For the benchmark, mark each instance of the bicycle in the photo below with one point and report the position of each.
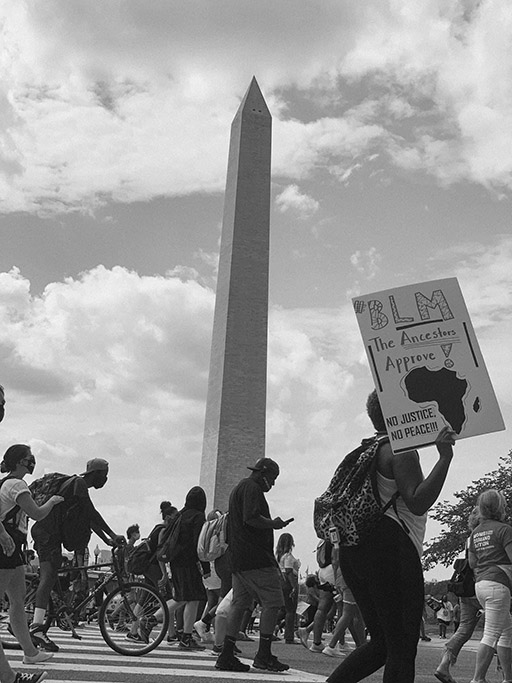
(126, 617)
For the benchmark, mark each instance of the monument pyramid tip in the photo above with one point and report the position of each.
(253, 99)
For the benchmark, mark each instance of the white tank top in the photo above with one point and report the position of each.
(415, 523)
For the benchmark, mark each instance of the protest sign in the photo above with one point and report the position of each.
(426, 363)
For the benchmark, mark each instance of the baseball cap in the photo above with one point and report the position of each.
(96, 464)
(265, 465)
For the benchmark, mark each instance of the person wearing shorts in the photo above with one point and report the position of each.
(256, 575)
(351, 618)
(48, 545)
(16, 504)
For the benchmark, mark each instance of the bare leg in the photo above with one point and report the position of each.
(484, 656)
(505, 657)
(17, 617)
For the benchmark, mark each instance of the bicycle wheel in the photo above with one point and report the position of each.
(133, 619)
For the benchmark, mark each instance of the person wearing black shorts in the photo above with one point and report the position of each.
(16, 504)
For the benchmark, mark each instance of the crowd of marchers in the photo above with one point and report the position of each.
(370, 585)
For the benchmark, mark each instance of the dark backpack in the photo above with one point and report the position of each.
(324, 553)
(351, 504)
(49, 485)
(144, 554)
(462, 582)
(139, 559)
(169, 546)
(71, 516)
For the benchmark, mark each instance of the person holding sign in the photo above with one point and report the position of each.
(384, 571)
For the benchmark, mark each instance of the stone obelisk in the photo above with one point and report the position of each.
(234, 433)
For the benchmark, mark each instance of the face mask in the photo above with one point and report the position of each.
(267, 484)
(30, 465)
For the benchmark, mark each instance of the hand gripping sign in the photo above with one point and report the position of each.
(426, 363)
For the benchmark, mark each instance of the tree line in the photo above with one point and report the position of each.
(450, 543)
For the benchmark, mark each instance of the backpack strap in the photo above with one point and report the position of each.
(392, 501)
(11, 515)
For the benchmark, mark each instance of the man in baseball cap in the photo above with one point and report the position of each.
(95, 465)
(266, 465)
(48, 541)
(255, 571)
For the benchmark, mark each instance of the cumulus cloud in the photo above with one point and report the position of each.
(292, 199)
(136, 100)
(115, 364)
(72, 332)
(366, 263)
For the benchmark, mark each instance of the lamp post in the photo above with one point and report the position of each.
(96, 554)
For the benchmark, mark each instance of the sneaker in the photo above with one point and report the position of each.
(344, 648)
(316, 648)
(270, 664)
(190, 643)
(216, 650)
(41, 640)
(202, 632)
(146, 625)
(30, 678)
(303, 635)
(135, 637)
(231, 664)
(331, 651)
(41, 656)
(172, 640)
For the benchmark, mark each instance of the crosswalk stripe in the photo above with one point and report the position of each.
(290, 676)
(91, 655)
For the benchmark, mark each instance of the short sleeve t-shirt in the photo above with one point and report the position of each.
(288, 561)
(251, 548)
(11, 489)
(488, 542)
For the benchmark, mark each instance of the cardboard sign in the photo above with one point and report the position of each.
(426, 363)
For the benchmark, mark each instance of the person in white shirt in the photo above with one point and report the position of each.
(289, 566)
(16, 504)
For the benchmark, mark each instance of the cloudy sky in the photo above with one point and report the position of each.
(392, 131)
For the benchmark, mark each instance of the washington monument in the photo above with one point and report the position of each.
(234, 433)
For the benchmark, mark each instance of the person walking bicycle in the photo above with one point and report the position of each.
(48, 544)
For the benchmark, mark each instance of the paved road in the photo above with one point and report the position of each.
(90, 660)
